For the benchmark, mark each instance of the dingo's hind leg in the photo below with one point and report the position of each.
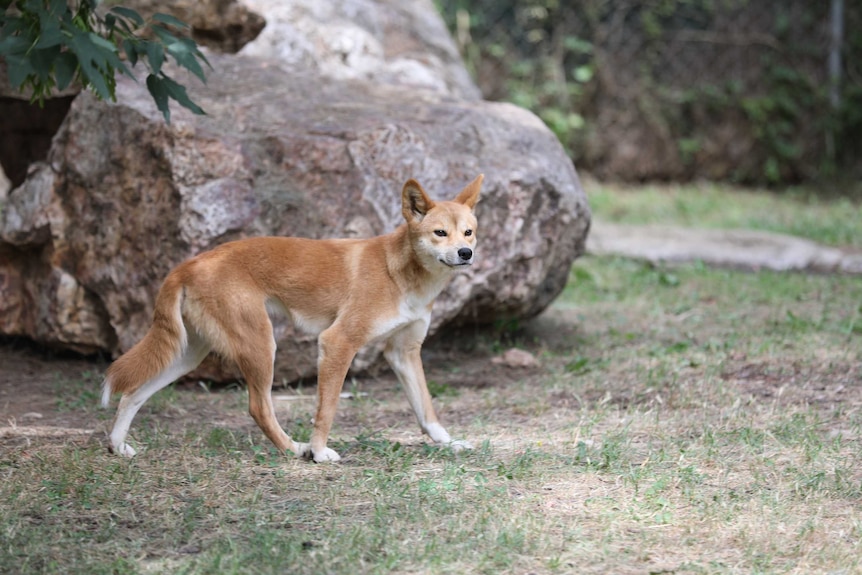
(253, 348)
(194, 353)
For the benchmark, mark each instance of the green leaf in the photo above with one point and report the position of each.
(126, 29)
(131, 51)
(64, 69)
(164, 35)
(184, 53)
(155, 56)
(159, 92)
(43, 61)
(18, 69)
(170, 20)
(58, 7)
(50, 35)
(178, 93)
(106, 45)
(14, 45)
(93, 65)
(200, 56)
(128, 14)
(110, 57)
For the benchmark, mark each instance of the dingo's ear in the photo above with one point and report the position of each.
(470, 195)
(415, 203)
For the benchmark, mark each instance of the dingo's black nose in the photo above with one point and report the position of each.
(465, 253)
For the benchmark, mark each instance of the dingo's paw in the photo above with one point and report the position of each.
(326, 455)
(305, 451)
(459, 445)
(123, 449)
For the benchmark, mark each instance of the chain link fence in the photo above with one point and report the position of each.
(740, 90)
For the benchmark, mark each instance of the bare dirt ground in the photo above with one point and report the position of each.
(29, 383)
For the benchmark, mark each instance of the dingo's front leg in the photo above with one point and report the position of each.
(336, 351)
(403, 354)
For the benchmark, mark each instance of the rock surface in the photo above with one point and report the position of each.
(398, 43)
(5, 185)
(284, 150)
(746, 249)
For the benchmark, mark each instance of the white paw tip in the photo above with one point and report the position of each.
(459, 445)
(124, 449)
(437, 434)
(326, 455)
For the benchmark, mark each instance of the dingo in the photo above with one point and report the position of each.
(350, 292)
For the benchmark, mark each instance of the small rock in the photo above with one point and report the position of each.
(516, 358)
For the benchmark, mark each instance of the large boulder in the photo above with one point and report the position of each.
(404, 43)
(283, 150)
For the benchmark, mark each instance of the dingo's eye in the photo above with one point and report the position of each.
(440, 233)
(468, 233)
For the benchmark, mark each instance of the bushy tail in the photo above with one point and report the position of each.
(164, 342)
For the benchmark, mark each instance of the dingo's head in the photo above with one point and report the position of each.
(442, 233)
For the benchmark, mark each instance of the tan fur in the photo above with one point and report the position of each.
(160, 345)
(351, 292)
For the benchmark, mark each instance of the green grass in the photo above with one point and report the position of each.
(684, 420)
(832, 221)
